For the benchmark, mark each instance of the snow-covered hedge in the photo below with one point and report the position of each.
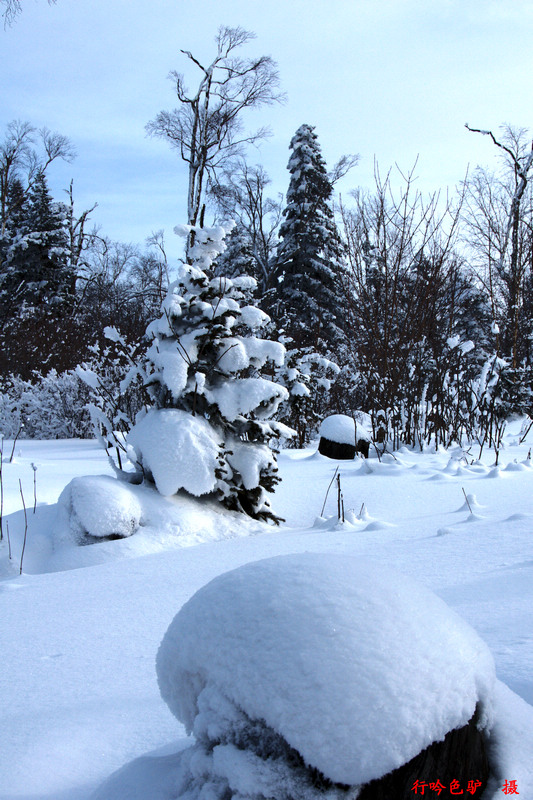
(52, 406)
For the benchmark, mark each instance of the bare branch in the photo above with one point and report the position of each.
(342, 167)
(206, 128)
(56, 145)
(12, 9)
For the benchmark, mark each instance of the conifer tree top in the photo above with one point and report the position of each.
(309, 258)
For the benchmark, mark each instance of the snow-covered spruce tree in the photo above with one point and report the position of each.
(209, 429)
(36, 282)
(35, 262)
(306, 300)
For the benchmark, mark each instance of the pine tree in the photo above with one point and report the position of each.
(15, 228)
(48, 277)
(37, 284)
(209, 427)
(306, 298)
(35, 264)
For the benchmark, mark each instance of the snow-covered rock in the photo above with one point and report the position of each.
(355, 666)
(346, 430)
(97, 506)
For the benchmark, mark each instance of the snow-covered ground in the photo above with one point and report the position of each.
(80, 628)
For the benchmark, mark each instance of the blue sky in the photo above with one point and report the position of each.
(388, 79)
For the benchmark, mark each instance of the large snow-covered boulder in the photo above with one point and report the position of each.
(96, 507)
(354, 667)
(342, 436)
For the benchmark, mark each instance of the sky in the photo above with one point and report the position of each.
(391, 80)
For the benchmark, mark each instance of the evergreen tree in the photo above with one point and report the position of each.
(306, 376)
(209, 427)
(35, 265)
(237, 258)
(48, 277)
(306, 300)
(15, 228)
(37, 284)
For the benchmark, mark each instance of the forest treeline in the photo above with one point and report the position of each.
(418, 310)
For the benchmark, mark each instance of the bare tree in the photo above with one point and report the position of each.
(24, 153)
(499, 216)
(206, 128)
(240, 194)
(79, 239)
(15, 152)
(12, 8)
(405, 295)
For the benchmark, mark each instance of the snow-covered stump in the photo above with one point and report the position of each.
(342, 436)
(309, 676)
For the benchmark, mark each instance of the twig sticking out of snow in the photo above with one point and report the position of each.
(34, 486)
(8, 540)
(327, 492)
(526, 427)
(25, 526)
(340, 500)
(467, 500)
(14, 443)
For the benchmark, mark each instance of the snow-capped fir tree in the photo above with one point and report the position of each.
(209, 428)
(306, 300)
(37, 283)
(35, 267)
(15, 227)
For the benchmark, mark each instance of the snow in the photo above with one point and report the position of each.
(80, 628)
(174, 362)
(180, 451)
(249, 462)
(346, 430)
(464, 347)
(242, 396)
(88, 376)
(253, 317)
(357, 667)
(98, 506)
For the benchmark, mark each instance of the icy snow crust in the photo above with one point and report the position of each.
(356, 666)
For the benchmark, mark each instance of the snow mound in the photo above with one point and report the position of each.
(355, 666)
(178, 450)
(343, 430)
(98, 506)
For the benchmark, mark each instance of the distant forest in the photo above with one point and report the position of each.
(417, 310)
